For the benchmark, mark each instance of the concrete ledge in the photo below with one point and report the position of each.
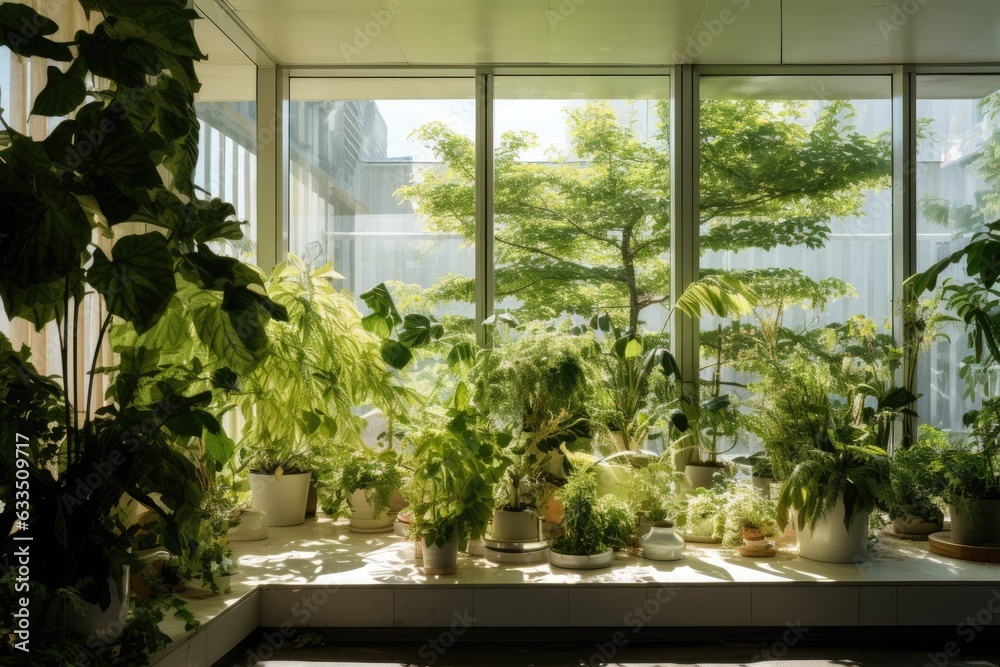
(321, 576)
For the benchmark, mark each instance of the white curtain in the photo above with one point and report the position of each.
(25, 79)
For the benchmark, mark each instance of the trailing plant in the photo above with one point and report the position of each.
(456, 463)
(745, 508)
(592, 525)
(121, 160)
(703, 508)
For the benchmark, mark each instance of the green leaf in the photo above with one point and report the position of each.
(416, 331)
(62, 92)
(110, 146)
(23, 31)
(678, 419)
(225, 379)
(461, 354)
(381, 303)
(668, 363)
(238, 339)
(716, 404)
(310, 422)
(396, 354)
(219, 445)
(462, 397)
(633, 349)
(138, 283)
(377, 325)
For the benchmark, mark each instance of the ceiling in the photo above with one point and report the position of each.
(623, 32)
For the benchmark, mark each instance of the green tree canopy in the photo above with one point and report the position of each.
(590, 232)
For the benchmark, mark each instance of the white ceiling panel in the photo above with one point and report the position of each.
(227, 74)
(672, 32)
(472, 36)
(624, 32)
(877, 31)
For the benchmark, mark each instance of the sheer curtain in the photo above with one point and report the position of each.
(21, 79)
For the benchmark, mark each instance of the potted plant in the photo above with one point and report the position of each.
(832, 492)
(703, 510)
(712, 424)
(368, 480)
(528, 482)
(749, 520)
(654, 490)
(761, 471)
(971, 487)
(595, 527)
(970, 475)
(103, 210)
(456, 465)
(916, 483)
(298, 404)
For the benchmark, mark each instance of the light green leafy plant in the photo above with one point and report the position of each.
(745, 508)
(592, 524)
(376, 473)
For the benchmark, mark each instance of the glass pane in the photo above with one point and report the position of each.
(582, 198)
(382, 185)
(796, 201)
(957, 177)
(227, 111)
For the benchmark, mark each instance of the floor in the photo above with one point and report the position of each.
(777, 654)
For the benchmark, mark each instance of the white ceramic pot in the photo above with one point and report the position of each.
(252, 526)
(364, 518)
(831, 542)
(282, 500)
(510, 526)
(591, 562)
(700, 476)
(441, 560)
(661, 542)
(103, 626)
(975, 522)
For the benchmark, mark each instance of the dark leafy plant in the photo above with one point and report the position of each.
(100, 168)
(915, 477)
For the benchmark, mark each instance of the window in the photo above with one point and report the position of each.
(957, 177)
(227, 111)
(582, 186)
(796, 201)
(382, 184)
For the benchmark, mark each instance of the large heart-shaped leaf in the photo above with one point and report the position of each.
(63, 92)
(238, 339)
(109, 146)
(139, 281)
(43, 235)
(219, 445)
(23, 31)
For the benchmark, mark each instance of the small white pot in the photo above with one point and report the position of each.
(700, 476)
(913, 524)
(284, 499)
(831, 542)
(104, 626)
(661, 543)
(441, 560)
(363, 516)
(510, 526)
(252, 527)
(591, 562)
